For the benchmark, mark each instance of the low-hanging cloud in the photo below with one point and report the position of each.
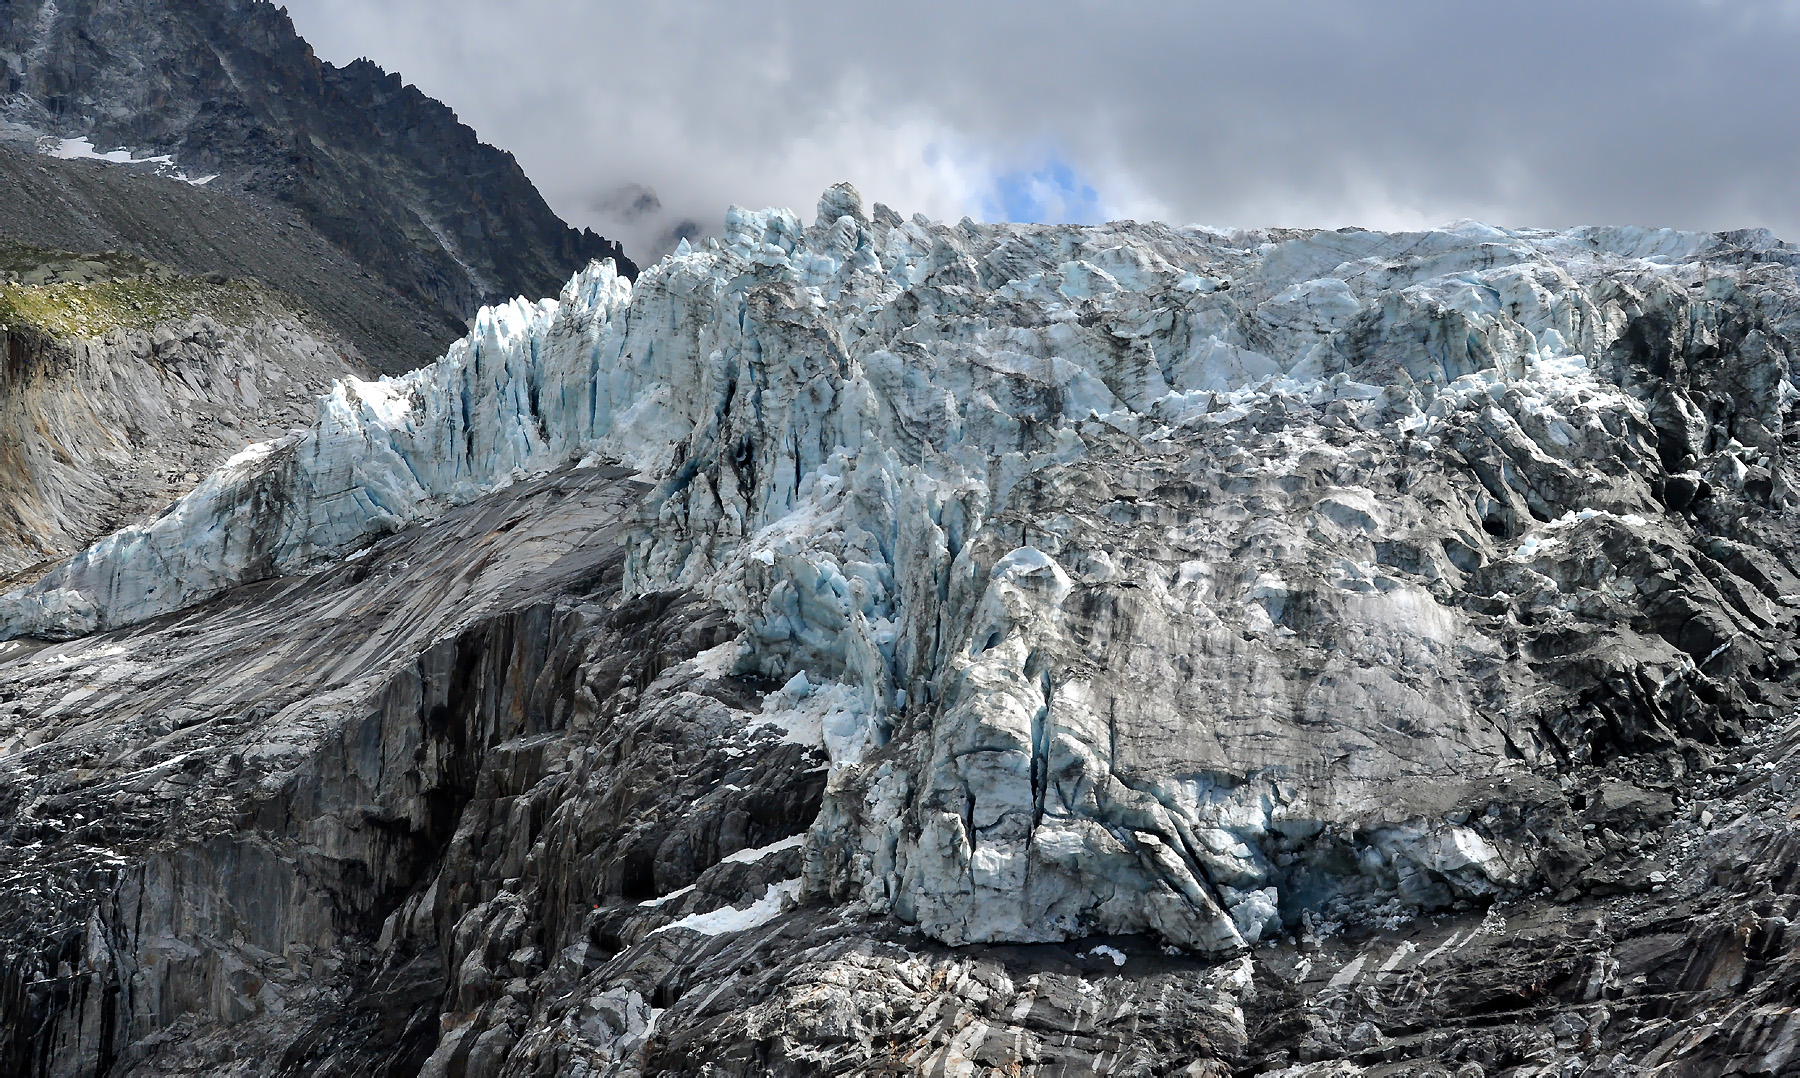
(647, 120)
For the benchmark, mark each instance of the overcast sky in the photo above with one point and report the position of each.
(642, 119)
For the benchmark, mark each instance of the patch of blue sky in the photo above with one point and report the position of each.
(1047, 191)
(1052, 193)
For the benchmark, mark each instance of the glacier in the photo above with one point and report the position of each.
(1117, 568)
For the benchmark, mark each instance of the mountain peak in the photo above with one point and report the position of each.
(381, 171)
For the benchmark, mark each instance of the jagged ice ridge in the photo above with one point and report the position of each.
(871, 441)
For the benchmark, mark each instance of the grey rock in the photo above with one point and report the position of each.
(99, 431)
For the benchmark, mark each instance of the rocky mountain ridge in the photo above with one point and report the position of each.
(878, 646)
(385, 177)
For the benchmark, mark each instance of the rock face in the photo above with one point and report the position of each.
(90, 206)
(886, 647)
(375, 168)
(123, 382)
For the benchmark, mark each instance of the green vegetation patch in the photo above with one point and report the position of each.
(68, 296)
(93, 310)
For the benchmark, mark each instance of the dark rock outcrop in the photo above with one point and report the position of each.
(88, 206)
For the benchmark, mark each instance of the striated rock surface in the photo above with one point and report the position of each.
(879, 646)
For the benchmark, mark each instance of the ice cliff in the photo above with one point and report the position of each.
(964, 471)
(1222, 587)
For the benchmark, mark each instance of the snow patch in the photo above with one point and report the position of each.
(731, 919)
(1103, 951)
(670, 897)
(82, 149)
(715, 662)
(750, 857)
(830, 716)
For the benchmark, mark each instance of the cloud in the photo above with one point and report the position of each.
(1385, 113)
(629, 202)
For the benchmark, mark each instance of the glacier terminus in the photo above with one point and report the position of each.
(957, 647)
